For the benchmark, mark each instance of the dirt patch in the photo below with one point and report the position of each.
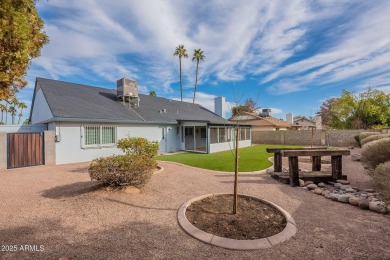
(254, 220)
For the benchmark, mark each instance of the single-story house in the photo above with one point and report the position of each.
(307, 124)
(88, 121)
(261, 123)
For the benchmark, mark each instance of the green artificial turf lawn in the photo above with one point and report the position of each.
(253, 158)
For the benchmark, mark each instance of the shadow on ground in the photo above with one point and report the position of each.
(71, 190)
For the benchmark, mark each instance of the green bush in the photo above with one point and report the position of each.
(381, 176)
(121, 170)
(376, 152)
(373, 138)
(363, 135)
(138, 146)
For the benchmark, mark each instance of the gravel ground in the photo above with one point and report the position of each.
(58, 209)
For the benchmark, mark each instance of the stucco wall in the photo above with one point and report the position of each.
(70, 150)
(3, 150)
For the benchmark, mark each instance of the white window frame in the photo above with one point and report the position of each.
(100, 144)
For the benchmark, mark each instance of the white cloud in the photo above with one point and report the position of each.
(137, 39)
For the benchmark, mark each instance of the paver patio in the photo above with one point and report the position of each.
(59, 208)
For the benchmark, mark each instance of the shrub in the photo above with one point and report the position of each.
(381, 176)
(363, 135)
(373, 138)
(138, 146)
(120, 170)
(376, 152)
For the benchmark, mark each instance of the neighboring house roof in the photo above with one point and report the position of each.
(257, 120)
(304, 119)
(75, 102)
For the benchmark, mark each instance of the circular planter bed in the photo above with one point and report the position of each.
(258, 223)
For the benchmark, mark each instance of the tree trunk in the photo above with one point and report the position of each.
(6, 113)
(181, 90)
(196, 80)
(235, 199)
(20, 116)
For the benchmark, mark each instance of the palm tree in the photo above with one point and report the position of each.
(22, 106)
(2, 108)
(198, 56)
(12, 111)
(181, 52)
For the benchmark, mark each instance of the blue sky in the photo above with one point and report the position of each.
(287, 55)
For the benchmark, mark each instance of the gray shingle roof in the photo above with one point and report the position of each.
(74, 101)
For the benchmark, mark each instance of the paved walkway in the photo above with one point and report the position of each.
(58, 208)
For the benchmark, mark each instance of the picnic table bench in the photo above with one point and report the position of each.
(278, 157)
(316, 174)
(336, 162)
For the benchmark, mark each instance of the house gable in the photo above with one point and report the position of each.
(40, 110)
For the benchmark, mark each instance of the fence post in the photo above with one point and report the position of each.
(3, 150)
(49, 147)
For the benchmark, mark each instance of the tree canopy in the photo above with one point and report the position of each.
(249, 106)
(368, 109)
(21, 39)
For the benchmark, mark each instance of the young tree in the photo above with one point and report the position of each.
(326, 112)
(180, 51)
(198, 56)
(152, 93)
(21, 39)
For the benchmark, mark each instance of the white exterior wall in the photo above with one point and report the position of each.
(40, 111)
(228, 146)
(69, 149)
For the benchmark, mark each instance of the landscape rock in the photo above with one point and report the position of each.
(350, 190)
(132, 190)
(301, 183)
(378, 206)
(344, 199)
(308, 182)
(344, 187)
(351, 147)
(325, 192)
(318, 191)
(328, 195)
(344, 182)
(270, 170)
(311, 186)
(335, 197)
(337, 185)
(363, 203)
(356, 157)
(321, 184)
(353, 201)
(369, 190)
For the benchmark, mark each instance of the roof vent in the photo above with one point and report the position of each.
(127, 91)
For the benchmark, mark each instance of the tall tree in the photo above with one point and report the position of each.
(198, 56)
(22, 106)
(326, 111)
(152, 93)
(21, 39)
(180, 51)
(368, 109)
(12, 110)
(2, 108)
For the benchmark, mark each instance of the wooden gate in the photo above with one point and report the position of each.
(25, 149)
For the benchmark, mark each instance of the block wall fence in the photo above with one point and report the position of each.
(304, 137)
